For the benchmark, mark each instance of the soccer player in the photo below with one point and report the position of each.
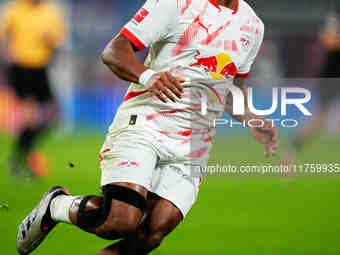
(160, 134)
(328, 87)
(30, 33)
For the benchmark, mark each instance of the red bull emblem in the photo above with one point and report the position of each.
(128, 163)
(219, 66)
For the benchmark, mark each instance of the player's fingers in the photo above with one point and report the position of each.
(157, 90)
(174, 90)
(160, 95)
(273, 150)
(175, 87)
(266, 150)
(176, 81)
(275, 141)
(275, 137)
(168, 88)
(180, 80)
(165, 91)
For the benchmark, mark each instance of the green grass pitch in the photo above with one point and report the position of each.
(234, 216)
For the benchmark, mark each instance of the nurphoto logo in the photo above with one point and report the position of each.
(299, 97)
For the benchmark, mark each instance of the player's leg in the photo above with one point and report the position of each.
(161, 220)
(170, 184)
(115, 215)
(127, 170)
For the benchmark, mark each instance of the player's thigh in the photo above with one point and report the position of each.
(127, 163)
(163, 217)
(174, 194)
(175, 183)
(126, 203)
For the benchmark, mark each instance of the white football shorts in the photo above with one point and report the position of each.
(135, 154)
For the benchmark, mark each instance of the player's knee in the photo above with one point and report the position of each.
(126, 210)
(90, 213)
(118, 213)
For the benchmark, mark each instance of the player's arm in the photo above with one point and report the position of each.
(120, 57)
(266, 134)
(151, 24)
(241, 83)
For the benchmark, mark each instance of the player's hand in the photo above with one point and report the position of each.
(166, 86)
(268, 136)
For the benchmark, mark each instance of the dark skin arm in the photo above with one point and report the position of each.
(120, 57)
(266, 135)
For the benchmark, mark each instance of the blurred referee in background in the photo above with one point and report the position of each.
(30, 33)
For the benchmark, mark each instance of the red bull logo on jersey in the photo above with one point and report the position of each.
(219, 66)
(128, 163)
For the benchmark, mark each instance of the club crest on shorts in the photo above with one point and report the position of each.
(133, 120)
(128, 163)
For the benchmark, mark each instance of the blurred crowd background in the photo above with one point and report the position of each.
(89, 94)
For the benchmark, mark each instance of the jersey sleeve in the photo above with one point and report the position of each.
(152, 22)
(244, 70)
(57, 22)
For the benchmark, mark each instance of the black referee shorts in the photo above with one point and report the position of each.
(30, 83)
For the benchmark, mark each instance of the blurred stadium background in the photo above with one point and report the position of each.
(232, 215)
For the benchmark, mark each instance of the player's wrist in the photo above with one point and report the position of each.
(253, 120)
(144, 78)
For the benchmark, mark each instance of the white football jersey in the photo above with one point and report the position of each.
(199, 41)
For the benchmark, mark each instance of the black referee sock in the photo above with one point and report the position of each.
(26, 139)
(25, 143)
